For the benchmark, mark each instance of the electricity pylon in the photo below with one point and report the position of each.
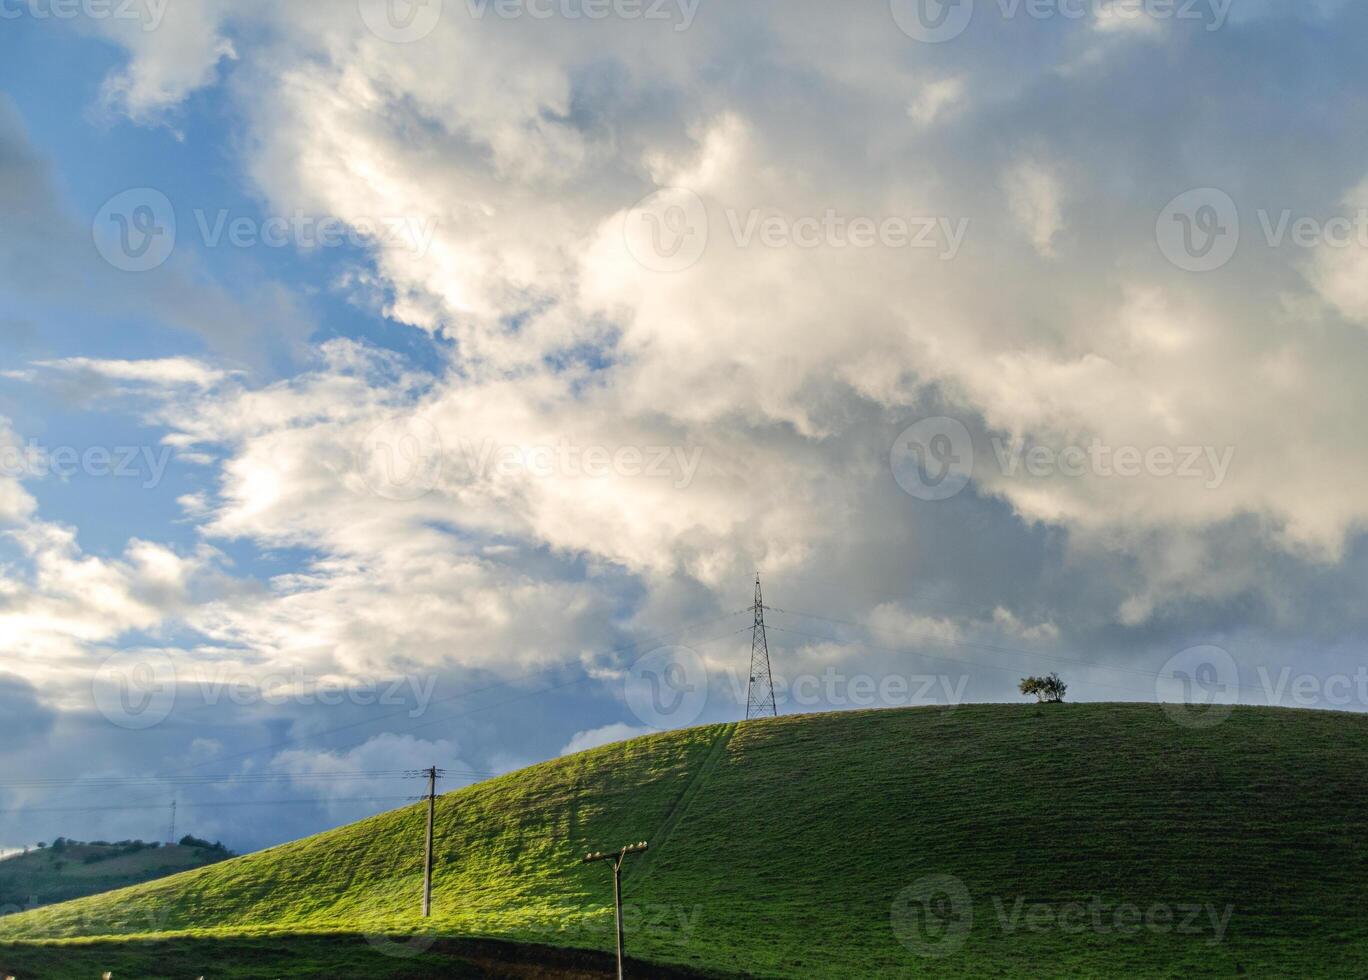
(760, 690)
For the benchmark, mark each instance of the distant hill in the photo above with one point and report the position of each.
(985, 840)
(73, 869)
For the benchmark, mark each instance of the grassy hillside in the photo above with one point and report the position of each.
(74, 869)
(981, 840)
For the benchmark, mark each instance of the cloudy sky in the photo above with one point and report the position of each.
(391, 384)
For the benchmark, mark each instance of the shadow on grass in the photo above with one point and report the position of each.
(299, 956)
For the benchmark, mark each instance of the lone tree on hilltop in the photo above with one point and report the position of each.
(1047, 689)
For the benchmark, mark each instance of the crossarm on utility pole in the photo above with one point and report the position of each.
(615, 859)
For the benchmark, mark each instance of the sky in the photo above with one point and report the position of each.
(389, 384)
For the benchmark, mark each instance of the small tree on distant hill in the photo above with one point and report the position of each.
(1048, 689)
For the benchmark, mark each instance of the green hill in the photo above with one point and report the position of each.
(73, 869)
(1027, 840)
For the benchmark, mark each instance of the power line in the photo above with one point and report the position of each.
(114, 782)
(463, 694)
(580, 680)
(697, 624)
(315, 801)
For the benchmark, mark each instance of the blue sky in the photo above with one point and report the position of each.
(1034, 347)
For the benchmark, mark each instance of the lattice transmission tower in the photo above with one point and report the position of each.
(760, 690)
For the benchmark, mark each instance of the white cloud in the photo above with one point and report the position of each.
(344, 782)
(1011, 625)
(1126, 17)
(164, 372)
(936, 99)
(1340, 274)
(16, 504)
(894, 619)
(607, 735)
(175, 48)
(1035, 195)
(768, 359)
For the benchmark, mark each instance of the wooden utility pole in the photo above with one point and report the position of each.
(615, 859)
(427, 849)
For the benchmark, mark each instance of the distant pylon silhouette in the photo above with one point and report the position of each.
(760, 690)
